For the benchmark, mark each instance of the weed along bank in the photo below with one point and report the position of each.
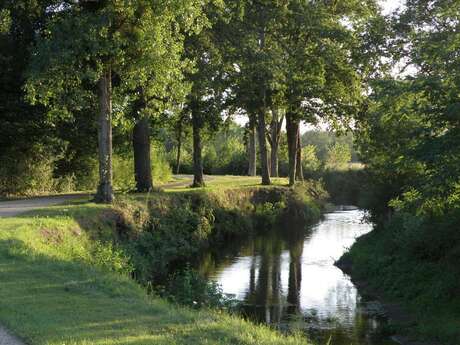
(83, 273)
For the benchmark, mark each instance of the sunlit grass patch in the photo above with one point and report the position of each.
(63, 282)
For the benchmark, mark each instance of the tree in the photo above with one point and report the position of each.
(205, 101)
(87, 46)
(5, 21)
(338, 156)
(256, 57)
(27, 133)
(274, 139)
(180, 131)
(252, 146)
(320, 78)
(409, 135)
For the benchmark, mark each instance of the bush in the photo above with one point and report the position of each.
(180, 225)
(188, 287)
(175, 232)
(28, 173)
(414, 259)
(346, 186)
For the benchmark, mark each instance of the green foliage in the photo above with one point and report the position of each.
(33, 173)
(268, 213)
(338, 157)
(5, 21)
(310, 160)
(348, 186)
(123, 169)
(413, 260)
(226, 152)
(188, 287)
(409, 140)
(171, 238)
(179, 225)
(47, 278)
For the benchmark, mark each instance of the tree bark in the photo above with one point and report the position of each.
(274, 160)
(105, 189)
(275, 134)
(263, 148)
(179, 145)
(198, 179)
(142, 161)
(292, 130)
(299, 168)
(252, 149)
(261, 120)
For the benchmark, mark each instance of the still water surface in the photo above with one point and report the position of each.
(287, 279)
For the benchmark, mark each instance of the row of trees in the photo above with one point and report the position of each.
(183, 62)
(226, 152)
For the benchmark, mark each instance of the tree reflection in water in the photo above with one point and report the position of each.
(286, 278)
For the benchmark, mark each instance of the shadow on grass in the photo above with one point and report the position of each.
(45, 300)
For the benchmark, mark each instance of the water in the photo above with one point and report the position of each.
(287, 279)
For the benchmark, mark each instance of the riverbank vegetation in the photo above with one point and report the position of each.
(122, 96)
(69, 269)
(409, 141)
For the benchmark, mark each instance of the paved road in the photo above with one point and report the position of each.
(14, 207)
(7, 339)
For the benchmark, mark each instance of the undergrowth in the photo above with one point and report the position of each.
(413, 259)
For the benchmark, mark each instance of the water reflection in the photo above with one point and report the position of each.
(287, 279)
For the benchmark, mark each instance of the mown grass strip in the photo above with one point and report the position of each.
(58, 287)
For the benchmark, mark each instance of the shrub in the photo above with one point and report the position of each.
(180, 225)
(188, 287)
(28, 173)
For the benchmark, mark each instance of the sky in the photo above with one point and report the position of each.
(389, 6)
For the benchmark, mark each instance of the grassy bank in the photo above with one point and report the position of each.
(413, 261)
(161, 233)
(66, 271)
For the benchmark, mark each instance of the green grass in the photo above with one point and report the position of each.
(62, 283)
(230, 181)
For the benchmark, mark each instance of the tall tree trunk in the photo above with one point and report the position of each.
(274, 139)
(292, 130)
(105, 190)
(252, 150)
(198, 179)
(179, 145)
(274, 160)
(263, 148)
(261, 120)
(142, 161)
(299, 168)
